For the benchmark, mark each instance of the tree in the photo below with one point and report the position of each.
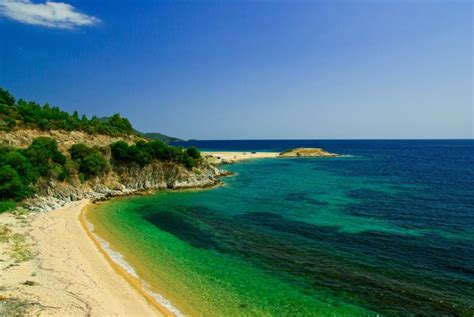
(6, 97)
(122, 124)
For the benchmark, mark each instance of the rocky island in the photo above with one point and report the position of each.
(234, 157)
(307, 152)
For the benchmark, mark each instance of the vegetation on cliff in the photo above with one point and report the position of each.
(89, 162)
(20, 169)
(145, 152)
(29, 114)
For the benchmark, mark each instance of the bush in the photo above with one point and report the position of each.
(188, 162)
(80, 151)
(144, 153)
(159, 149)
(11, 184)
(43, 153)
(21, 164)
(120, 151)
(93, 165)
(193, 152)
(7, 205)
(90, 161)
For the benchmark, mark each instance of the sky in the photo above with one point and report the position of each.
(249, 69)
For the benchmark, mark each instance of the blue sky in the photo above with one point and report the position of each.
(246, 70)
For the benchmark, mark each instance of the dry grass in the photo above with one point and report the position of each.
(18, 248)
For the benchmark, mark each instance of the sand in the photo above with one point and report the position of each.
(65, 272)
(232, 157)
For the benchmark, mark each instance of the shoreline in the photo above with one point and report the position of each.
(134, 281)
(72, 268)
(231, 157)
(68, 272)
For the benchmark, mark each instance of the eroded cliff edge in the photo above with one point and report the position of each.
(125, 180)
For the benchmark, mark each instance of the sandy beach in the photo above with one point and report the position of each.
(60, 270)
(232, 157)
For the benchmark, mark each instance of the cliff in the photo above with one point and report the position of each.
(23, 137)
(124, 180)
(119, 179)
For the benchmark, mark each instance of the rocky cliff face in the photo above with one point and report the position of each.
(23, 138)
(124, 180)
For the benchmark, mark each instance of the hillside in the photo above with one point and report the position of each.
(49, 157)
(30, 115)
(22, 138)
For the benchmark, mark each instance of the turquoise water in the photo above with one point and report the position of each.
(387, 231)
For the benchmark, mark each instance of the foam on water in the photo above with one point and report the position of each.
(118, 259)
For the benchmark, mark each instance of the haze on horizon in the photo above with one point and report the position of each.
(249, 70)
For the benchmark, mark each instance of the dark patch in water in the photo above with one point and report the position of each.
(304, 197)
(184, 228)
(322, 258)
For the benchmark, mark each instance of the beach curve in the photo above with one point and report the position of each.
(73, 275)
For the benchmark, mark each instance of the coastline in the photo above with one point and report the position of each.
(72, 238)
(231, 157)
(164, 307)
(68, 273)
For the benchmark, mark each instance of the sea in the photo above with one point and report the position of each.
(385, 230)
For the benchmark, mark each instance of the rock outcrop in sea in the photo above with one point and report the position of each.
(307, 152)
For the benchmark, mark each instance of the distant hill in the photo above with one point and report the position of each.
(159, 136)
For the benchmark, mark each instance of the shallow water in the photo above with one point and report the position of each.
(387, 231)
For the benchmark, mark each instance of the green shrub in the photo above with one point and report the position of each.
(11, 184)
(193, 152)
(43, 153)
(93, 165)
(80, 151)
(120, 151)
(144, 153)
(21, 164)
(159, 149)
(188, 162)
(7, 205)
(90, 161)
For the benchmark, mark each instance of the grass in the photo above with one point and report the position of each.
(13, 307)
(19, 251)
(5, 232)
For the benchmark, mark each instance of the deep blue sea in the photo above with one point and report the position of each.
(386, 230)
